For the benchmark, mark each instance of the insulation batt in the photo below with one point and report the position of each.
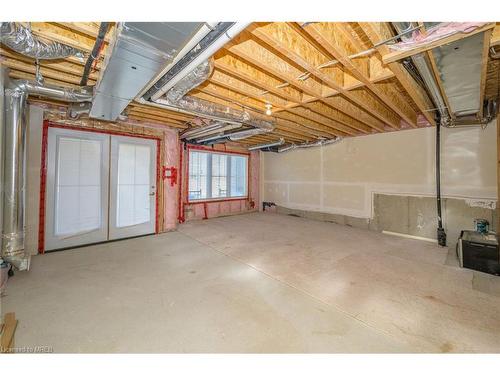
(444, 29)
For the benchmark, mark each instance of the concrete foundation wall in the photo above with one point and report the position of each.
(387, 181)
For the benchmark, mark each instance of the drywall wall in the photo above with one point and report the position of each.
(343, 178)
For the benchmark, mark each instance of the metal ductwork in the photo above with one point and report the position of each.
(137, 54)
(192, 80)
(222, 33)
(321, 142)
(14, 161)
(21, 39)
(169, 91)
(459, 68)
(280, 142)
(425, 71)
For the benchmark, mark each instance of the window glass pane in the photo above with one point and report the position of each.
(133, 205)
(238, 176)
(198, 175)
(78, 186)
(219, 175)
(214, 175)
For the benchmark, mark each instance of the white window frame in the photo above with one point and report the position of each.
(229, 156)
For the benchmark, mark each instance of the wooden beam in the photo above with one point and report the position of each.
(88, 28)
(377, 32)
(8, 332)
(276, 35)
(484, 69)
(398, 55)
(61, 34)
(222, 101)
(13, 73)
(235, 66)
(495, 36)
(159, 112)
(327, 35)
(234, 97)
(44, 70)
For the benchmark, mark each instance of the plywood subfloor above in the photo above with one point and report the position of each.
(280, 63)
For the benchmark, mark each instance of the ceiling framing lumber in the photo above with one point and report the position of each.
(326, 35)
(398, 55)
(273, 34)
(378, 32)
(484, 69)
(495, 36)
(308, 74)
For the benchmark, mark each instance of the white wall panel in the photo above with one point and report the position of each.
(345, 176)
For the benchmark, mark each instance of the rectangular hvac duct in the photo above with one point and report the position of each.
(137, 53)
(459, 65)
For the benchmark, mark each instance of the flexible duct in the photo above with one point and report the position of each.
(193, 69)
(425, 72)
(280, 142)
(22, 40)
(176, 97)
(192, 80)
(321, 142)
(16, 94)
(14, 178)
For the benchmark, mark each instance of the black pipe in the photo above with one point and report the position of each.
(441, 234)
(103, 28)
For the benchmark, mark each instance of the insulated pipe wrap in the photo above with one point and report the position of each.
(14, 178)
(22, 40)
(199, 75)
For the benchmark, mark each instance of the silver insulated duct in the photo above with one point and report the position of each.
(21, 39)
(425, 71)
(14, 161)
(459, 67)
(14, 178)
(137, 53)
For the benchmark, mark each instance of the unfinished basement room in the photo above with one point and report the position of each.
(250, 187)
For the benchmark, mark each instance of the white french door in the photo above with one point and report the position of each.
(77, 188)
(99, 187)
(133, 187)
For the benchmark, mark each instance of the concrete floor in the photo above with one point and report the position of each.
(256, 283)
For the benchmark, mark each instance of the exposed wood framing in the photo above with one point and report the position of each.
(331, 37)
(484, 69)
(437, 76)
(378, 32)
(495, 35)
(8, 331)
(398, 55)
(278, 64)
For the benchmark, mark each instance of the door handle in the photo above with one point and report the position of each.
(153, 193)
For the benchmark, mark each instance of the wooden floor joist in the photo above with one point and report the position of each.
(8, 331)
(305, 72)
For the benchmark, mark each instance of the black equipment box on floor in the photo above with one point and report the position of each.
(479, 251)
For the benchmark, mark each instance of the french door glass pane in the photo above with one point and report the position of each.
(133, 202)
(78, 186)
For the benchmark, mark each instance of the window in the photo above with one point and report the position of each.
(215, 175)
